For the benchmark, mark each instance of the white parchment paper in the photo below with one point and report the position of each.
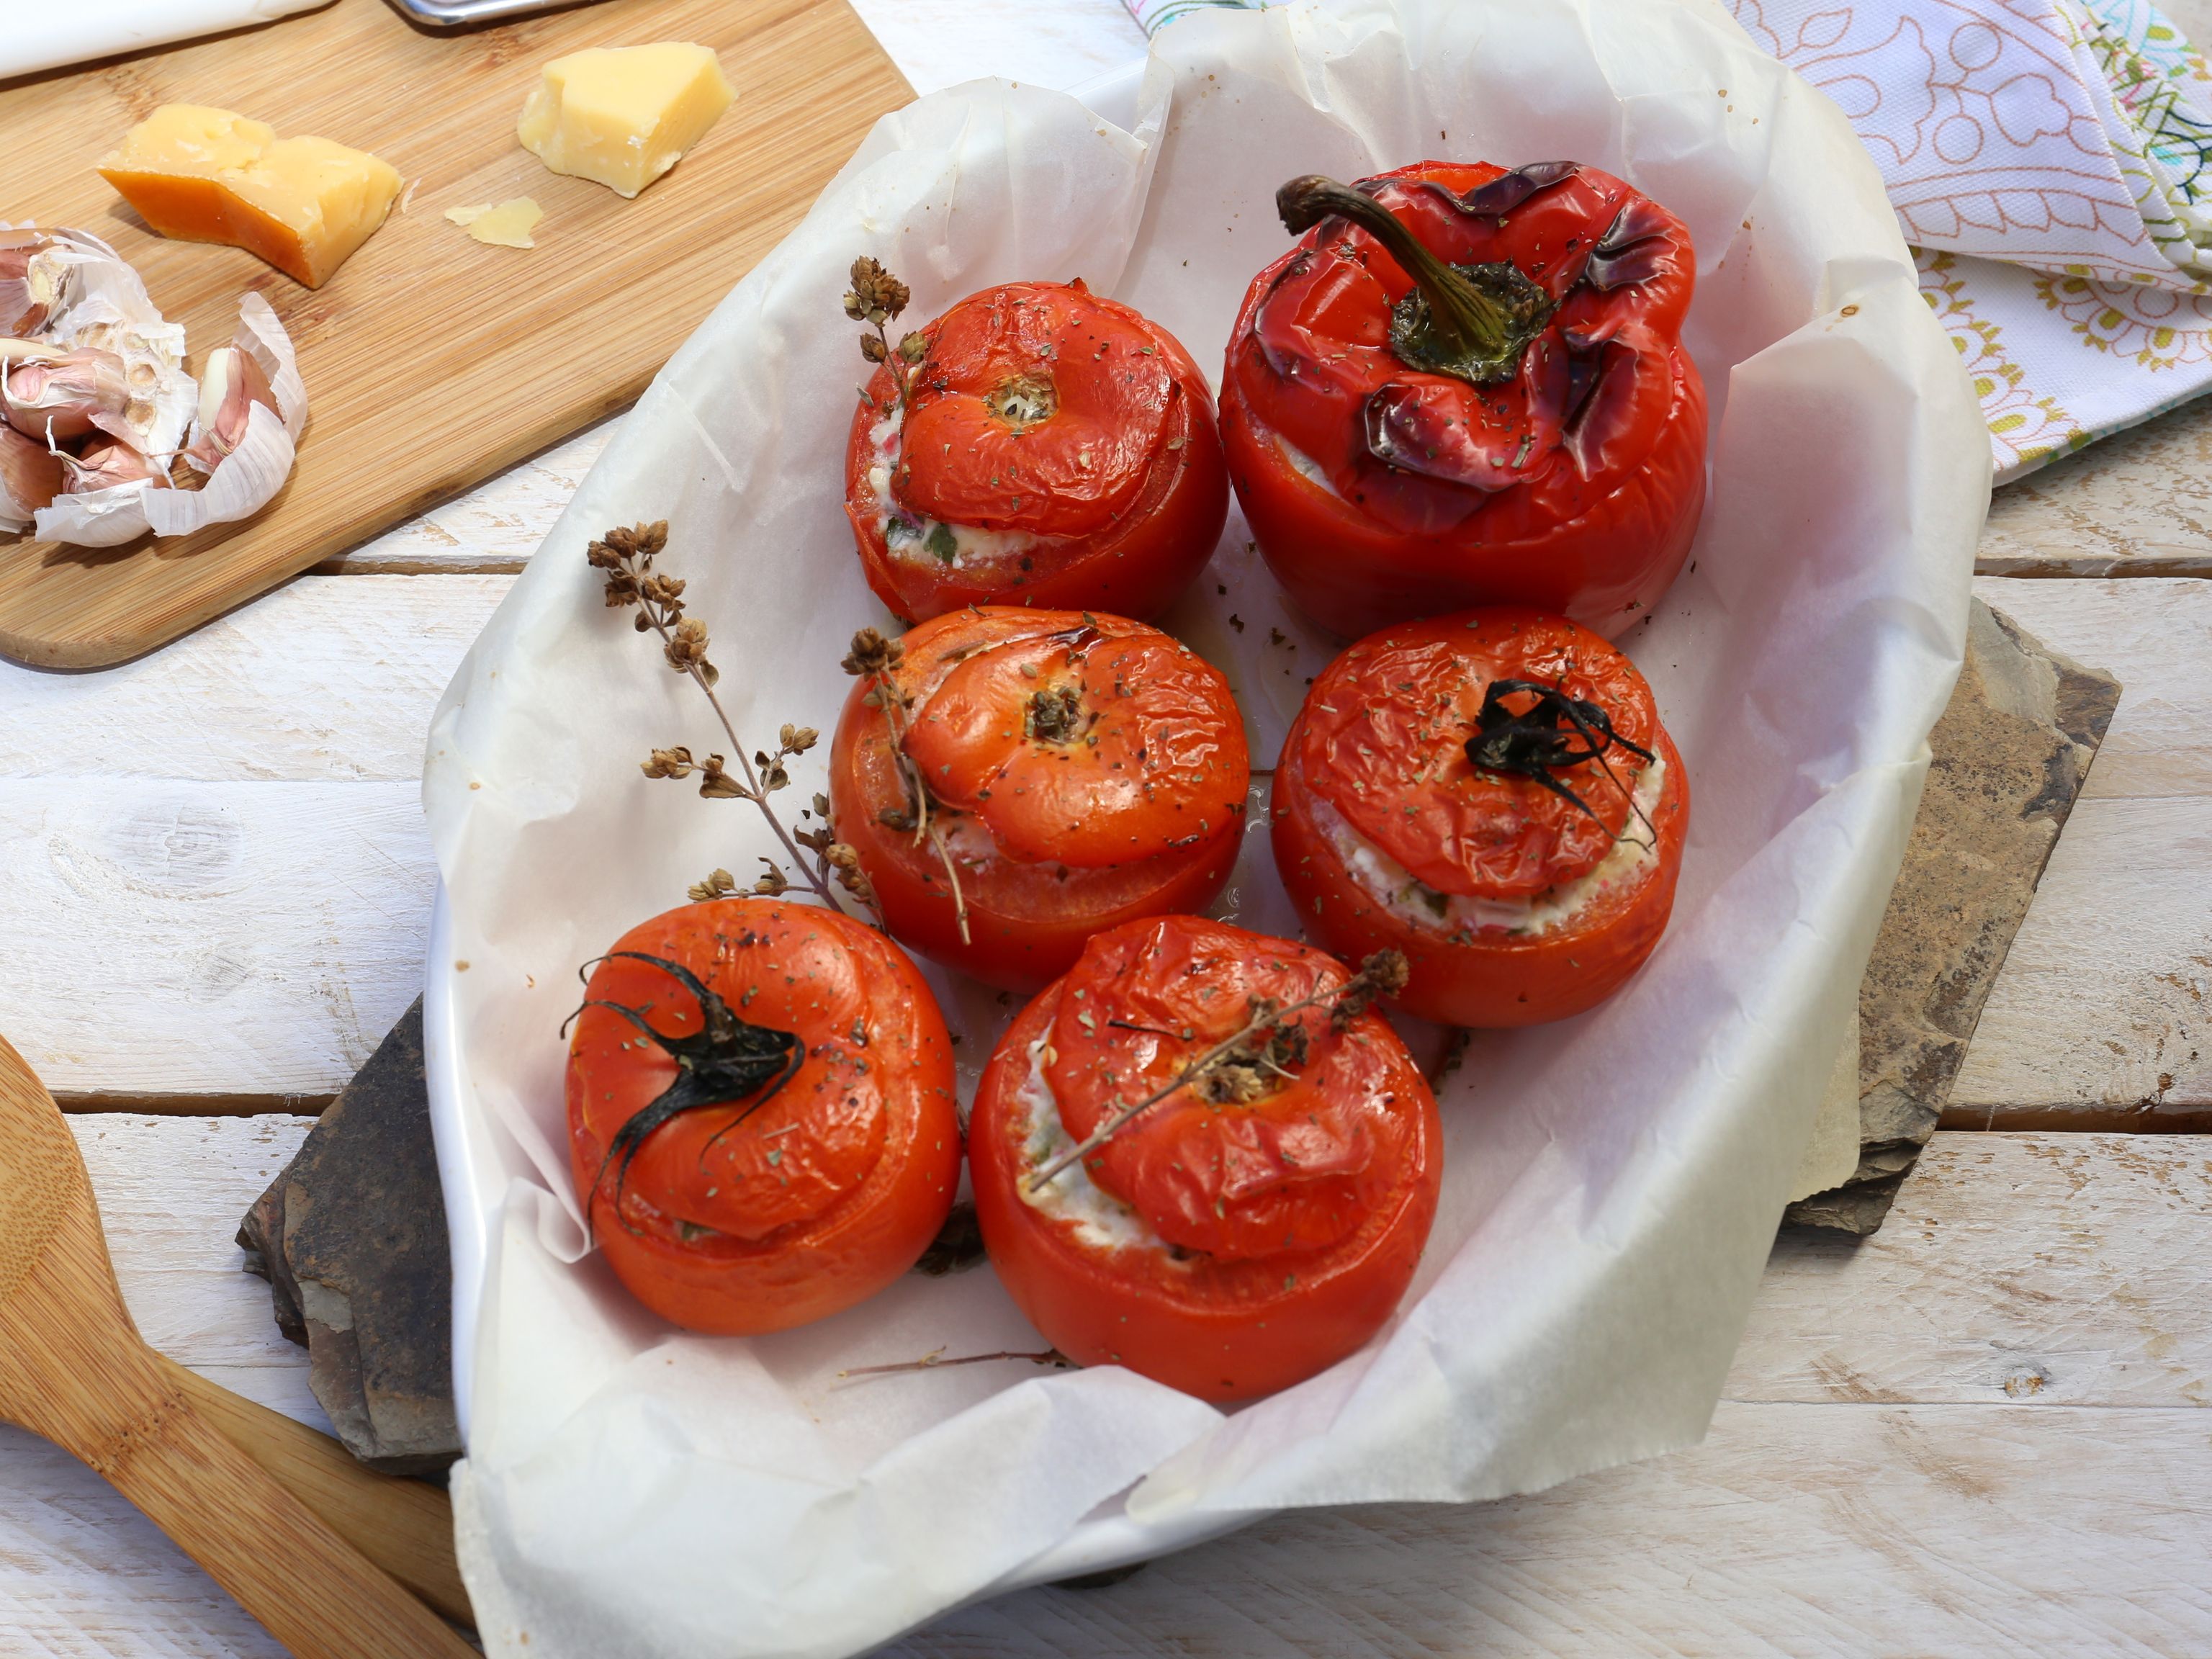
(1612, 1183)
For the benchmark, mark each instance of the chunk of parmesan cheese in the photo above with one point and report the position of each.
(201, 174)
(621, 116)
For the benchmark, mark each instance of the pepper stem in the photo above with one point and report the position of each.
(1470, 321)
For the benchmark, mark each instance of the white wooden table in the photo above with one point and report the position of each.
(1984, 1432)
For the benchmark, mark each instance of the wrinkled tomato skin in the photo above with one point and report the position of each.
(816, 1266)
(1026, 923)
(1496, 980)
(1224, 1331)
(1138, 566)
(1351, 576)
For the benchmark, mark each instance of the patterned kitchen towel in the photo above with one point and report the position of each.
(2050, 161)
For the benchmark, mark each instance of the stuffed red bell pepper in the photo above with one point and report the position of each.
(1466, 385)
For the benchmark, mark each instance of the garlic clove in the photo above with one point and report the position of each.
(103, 463)
(30, 477)
(56, 400)
(230, 385)
(25, 303)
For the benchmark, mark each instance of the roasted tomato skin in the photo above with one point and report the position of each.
(1607, 491)
(1493, 979)
(1028, 920)
(1223, 1329)
(826, 1193)
(1168, 518)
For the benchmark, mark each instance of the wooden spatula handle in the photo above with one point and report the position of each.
(311, 1590)
(405, 1526)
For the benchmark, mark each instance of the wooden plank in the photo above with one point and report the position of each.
(2031, 1269)
(1842, 1530)
(229, 939)
(171, 1192)
(2135, 504)
(323, 681)
(521, 349)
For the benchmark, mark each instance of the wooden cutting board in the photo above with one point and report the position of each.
(431, 360)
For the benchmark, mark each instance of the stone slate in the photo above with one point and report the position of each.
(2011, 752)
(352, 1238)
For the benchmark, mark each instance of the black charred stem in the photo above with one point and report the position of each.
(1472, 322)
(721, 1064)
(1555, 733)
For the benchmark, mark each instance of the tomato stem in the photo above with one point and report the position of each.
(1472, 321)
(725, 1060)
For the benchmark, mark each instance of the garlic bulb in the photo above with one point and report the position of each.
(95, 401)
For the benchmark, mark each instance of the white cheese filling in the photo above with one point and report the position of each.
(1101, 1220)
(1306, 467)
(1391, 885)
(926, 542)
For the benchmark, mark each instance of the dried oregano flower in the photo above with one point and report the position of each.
(876, 298)
(626, 556)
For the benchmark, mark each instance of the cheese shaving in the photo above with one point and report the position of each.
(506, 225)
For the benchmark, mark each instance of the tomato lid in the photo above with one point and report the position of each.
(1040, 408)
(1253, 1159)
(1090, 741)
(1383, 739)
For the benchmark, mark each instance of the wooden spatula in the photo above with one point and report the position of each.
(73, 1370)
(405, 1526)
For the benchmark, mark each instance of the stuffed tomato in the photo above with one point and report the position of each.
(1464, 385)
(1493, 794)
(1014, 781)
(761, 1113)
(1200, 1155)
(1038, 443)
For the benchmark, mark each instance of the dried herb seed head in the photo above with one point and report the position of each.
(719, 884)
(715, 784)
(687, 650)
(871, 653)
(668, 763)
(876, 296)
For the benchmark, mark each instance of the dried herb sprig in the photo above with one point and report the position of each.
(1553, 733)
(1271, 1043)
(627, 556)
(875, 298)
(935, 1360)
(873, 657)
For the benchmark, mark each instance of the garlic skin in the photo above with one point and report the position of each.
(230, 385)
(30, 478)
(58, 399)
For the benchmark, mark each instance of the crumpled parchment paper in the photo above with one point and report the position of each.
(1612, 1183)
